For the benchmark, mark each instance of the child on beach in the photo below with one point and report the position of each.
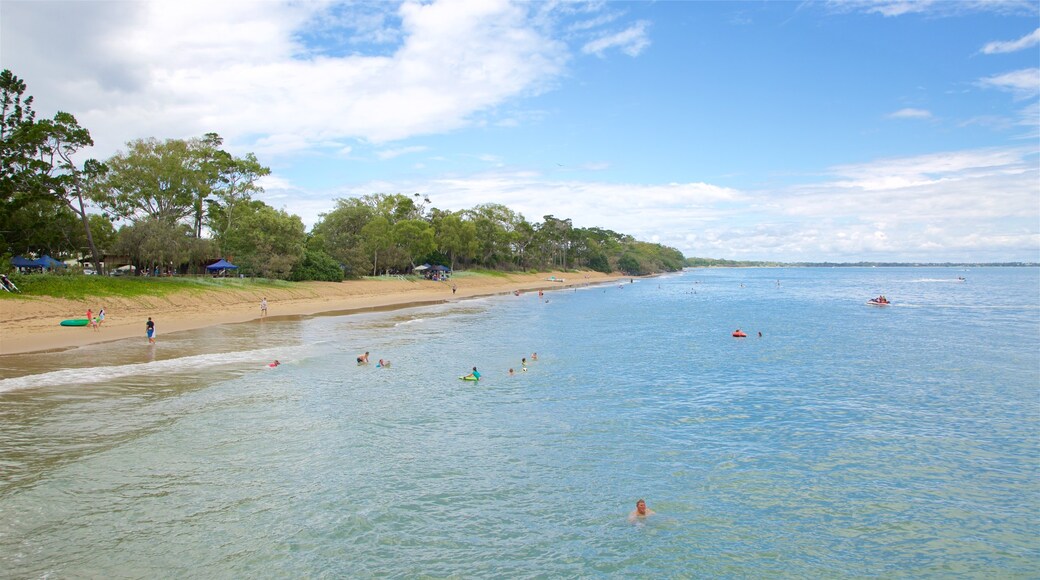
(100, 317)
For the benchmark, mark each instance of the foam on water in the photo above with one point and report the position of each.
(186, 364)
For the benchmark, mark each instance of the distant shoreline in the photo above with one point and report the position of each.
(710, 263)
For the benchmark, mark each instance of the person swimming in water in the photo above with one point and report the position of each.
(475, 375)
(274, 364)
(640, 512)
(362, 359)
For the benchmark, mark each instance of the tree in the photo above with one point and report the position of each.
(152, 178)
(64, 138)
(317, 265)
(154, 242)
(233, 180)
(341, 230)
(376, 238)
(414, 237)
(455, 237)
(495, 224)
(264, 241)
(36, 159)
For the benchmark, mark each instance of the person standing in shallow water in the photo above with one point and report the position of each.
(263, 307)
(150, 330)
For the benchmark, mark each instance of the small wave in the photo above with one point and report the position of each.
(929, 280)
(411, 321)
(92, 375)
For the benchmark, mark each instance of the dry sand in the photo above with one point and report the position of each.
(32, 325)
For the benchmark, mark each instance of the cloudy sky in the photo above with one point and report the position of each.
(855, 130)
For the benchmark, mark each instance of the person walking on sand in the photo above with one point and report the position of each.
(101, 316)
(263, 307)
(150, 330)
(640, 512)
(90, 320)
(453, 289)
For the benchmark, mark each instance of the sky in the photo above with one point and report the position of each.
(861, 130)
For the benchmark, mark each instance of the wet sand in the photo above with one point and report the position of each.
(31, 325)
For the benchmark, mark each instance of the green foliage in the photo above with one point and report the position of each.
(414, 237)
(629, 263)
(39, 183)
(317, 265)
(263, 241)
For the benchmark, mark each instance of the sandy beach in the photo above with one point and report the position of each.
(31, 325)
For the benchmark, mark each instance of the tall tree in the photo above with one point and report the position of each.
(375, 238)
(264, 241)
(229, 180)
(64, 138)
(36, 157)
(414, 237)
(151, 178)
(455, 237)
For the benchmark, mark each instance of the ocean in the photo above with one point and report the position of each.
(847, 441)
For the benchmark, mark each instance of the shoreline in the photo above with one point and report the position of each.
(31, 326)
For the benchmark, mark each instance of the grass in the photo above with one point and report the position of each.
(482, 272)
(78, 287)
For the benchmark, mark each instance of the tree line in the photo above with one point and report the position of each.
(181, 203)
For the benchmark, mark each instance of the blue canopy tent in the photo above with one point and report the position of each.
(20, 262)
(44, 262)
(49, 262)
(221, 265)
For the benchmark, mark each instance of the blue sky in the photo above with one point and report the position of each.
(861, 130)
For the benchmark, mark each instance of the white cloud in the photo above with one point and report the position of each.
(893, 8)
(910, 113)
(1027, 41)
(392, 153)
(1024, 83)
(180, 69)
(632, 41)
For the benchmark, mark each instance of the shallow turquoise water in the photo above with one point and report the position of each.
(848, 441)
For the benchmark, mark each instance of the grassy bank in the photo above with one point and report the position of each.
(77, 287)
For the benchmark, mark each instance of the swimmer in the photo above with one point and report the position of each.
(534, 356)
(362, 359)
(474, 375)
(274, 364)
(523, 365)
(511, 373)
(641, 511)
